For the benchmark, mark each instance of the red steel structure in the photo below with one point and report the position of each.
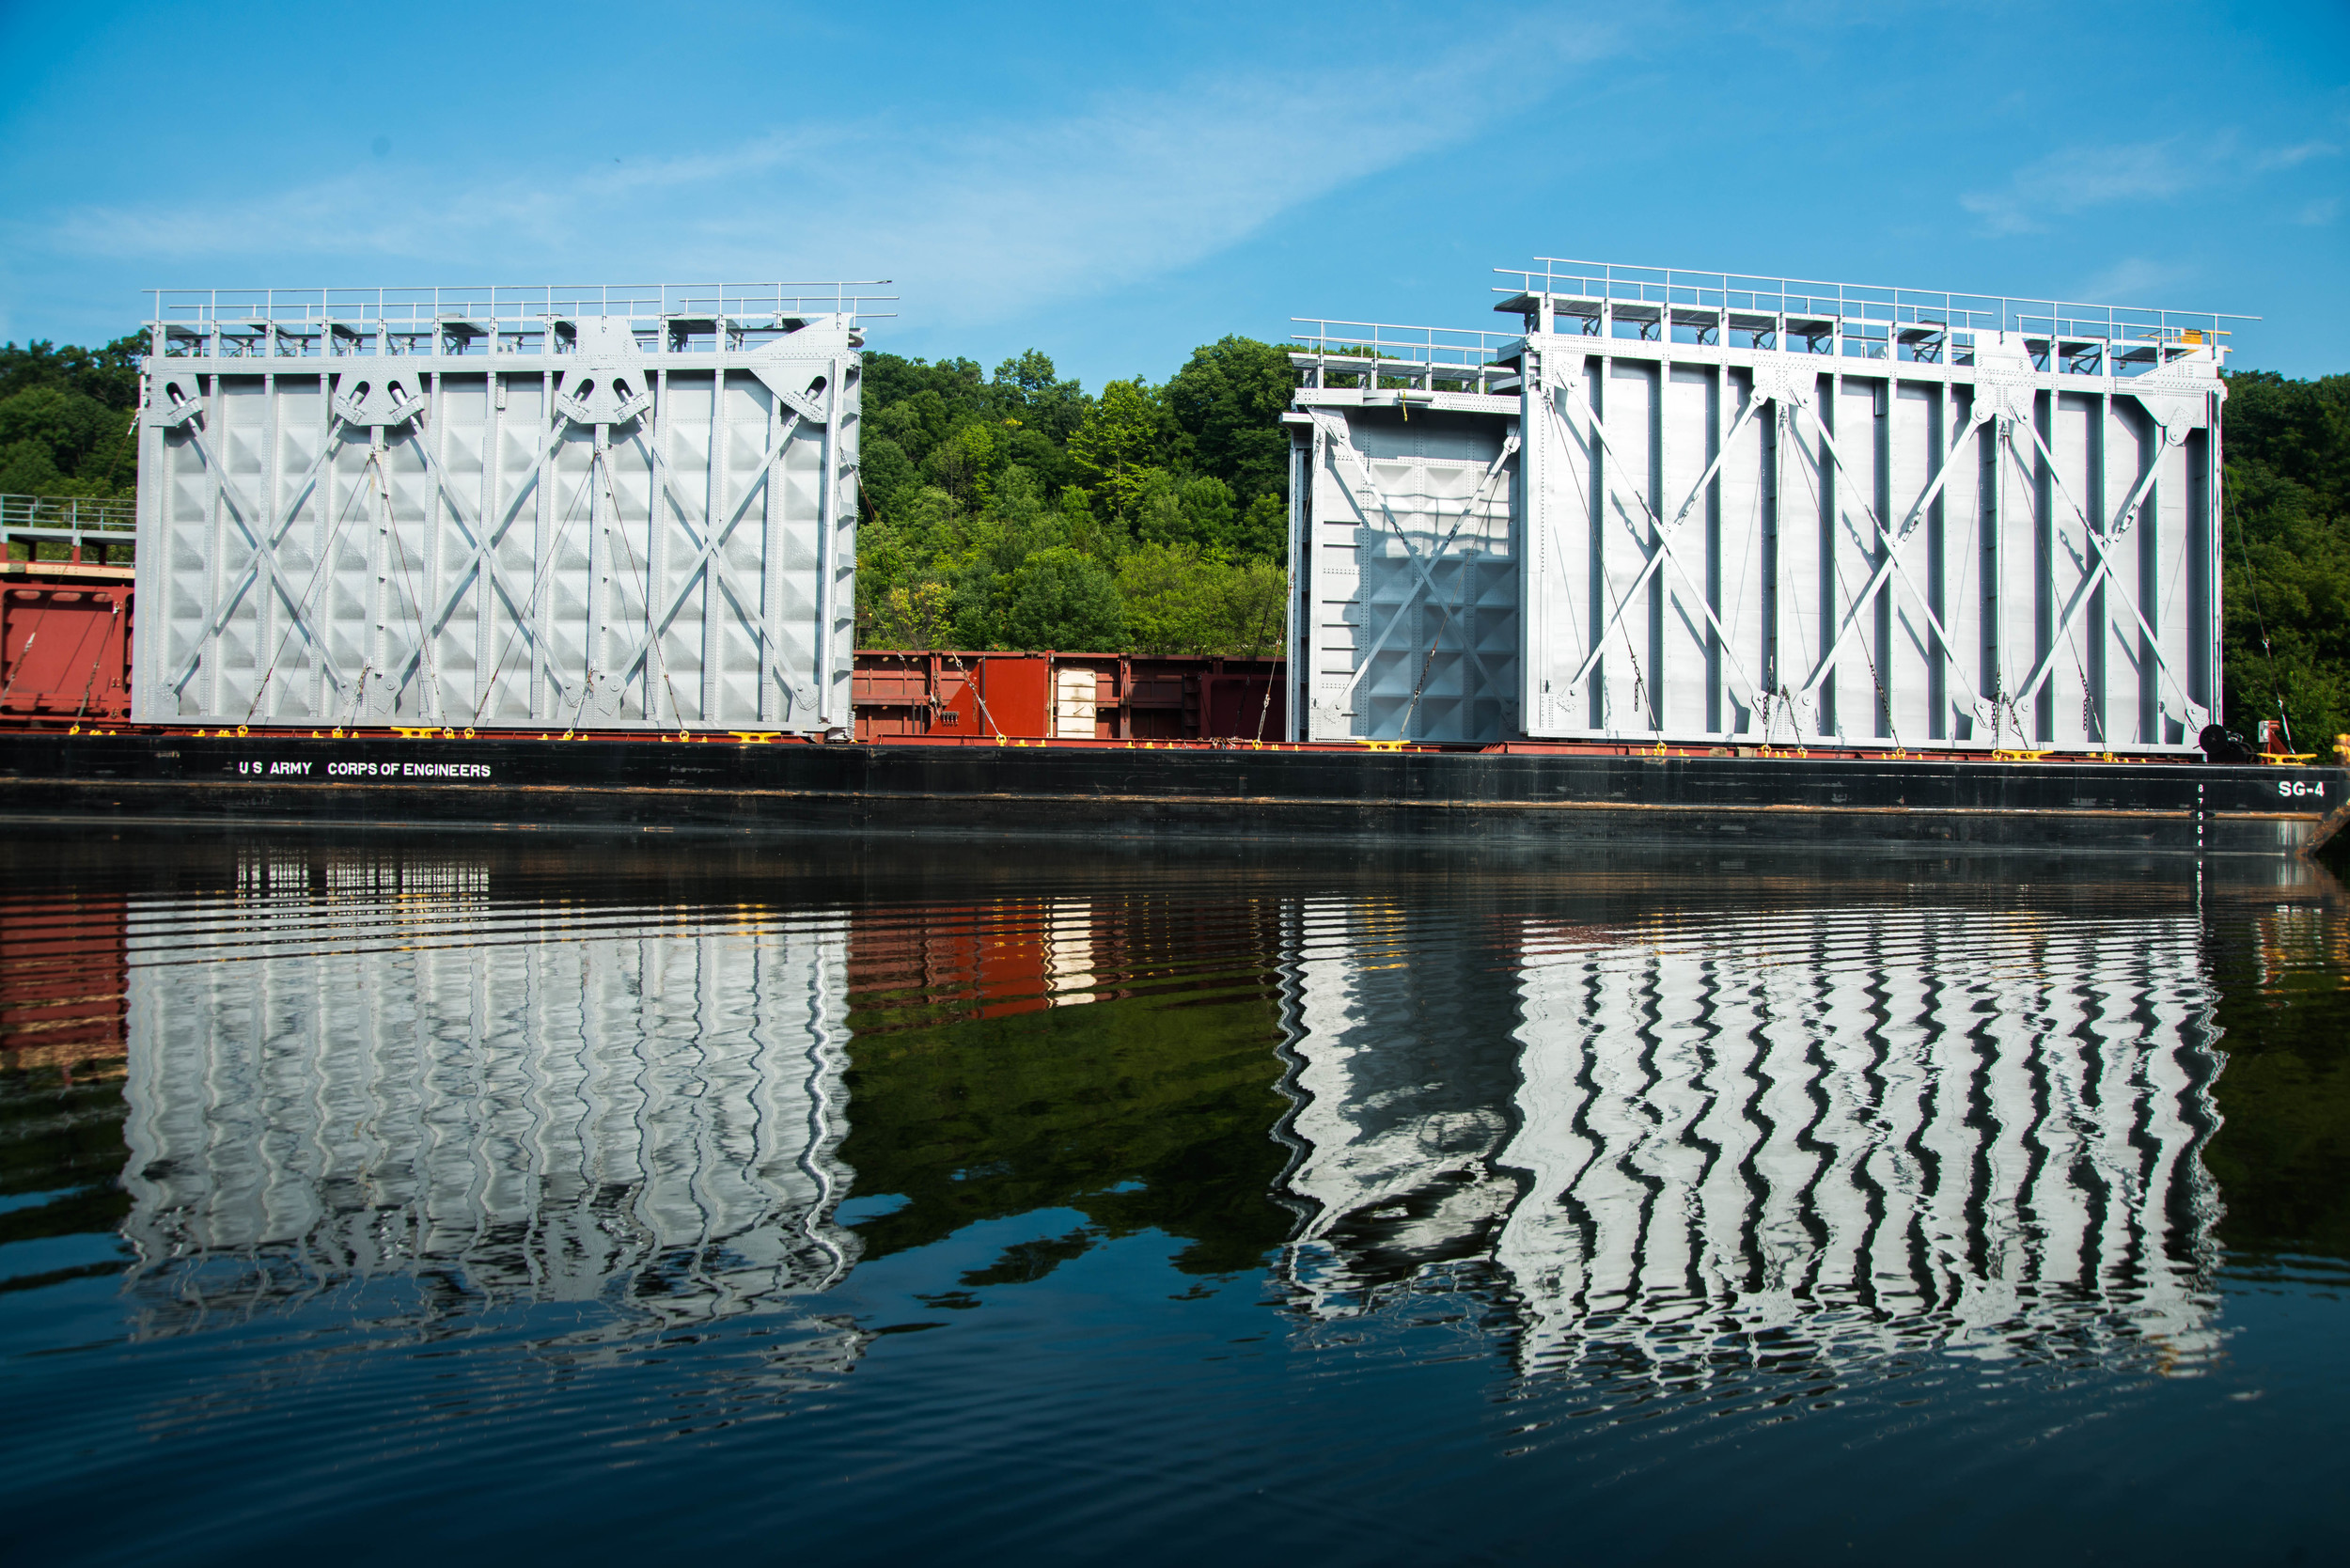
(65, 642)
(957, 695)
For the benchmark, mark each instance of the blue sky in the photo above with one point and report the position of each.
(1115, 183)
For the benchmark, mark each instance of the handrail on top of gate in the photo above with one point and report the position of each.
(489, 319)
(1851, 320)
(1429, 358)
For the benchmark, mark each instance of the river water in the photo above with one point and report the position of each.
(829, 1200)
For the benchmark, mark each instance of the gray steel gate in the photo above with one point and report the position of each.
(1404, 543)
(1757, 510)
(1788, 514)
(546, 507)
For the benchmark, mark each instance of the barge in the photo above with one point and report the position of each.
(1682, 557)
(976, 741)
(947, 740)
(758, 783)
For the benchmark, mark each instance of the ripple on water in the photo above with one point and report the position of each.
(599, 1162)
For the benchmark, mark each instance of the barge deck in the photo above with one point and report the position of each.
(522, 782)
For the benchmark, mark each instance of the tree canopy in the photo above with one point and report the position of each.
(65, 418)
(1016, 510)
(2285, 590)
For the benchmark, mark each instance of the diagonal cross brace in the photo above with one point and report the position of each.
(484, 560)
(485, 542)
(705, 556)
(2096, 544)
(396, 677)
(801, 405)
(2121, 526)
(1426, 582)
(1664, 530)
(1342, 446)
(1891, 565)
(1468, 508)
(264, 562)
(1661, 556)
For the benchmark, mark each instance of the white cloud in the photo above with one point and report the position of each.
(2287, 157)
(2080, 177)
(2077, 179)
(975, 222)
(2133, 280)
(2318, 214)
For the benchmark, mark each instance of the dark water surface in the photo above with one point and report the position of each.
(825, 1201)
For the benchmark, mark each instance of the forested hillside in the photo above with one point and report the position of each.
(65, 419)
(2287, 581)
(1014, 511)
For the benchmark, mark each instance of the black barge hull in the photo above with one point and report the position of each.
(1550, 798)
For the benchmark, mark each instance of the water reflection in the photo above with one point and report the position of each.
(1114, 1204)
(63, 978)
(1656, 1138)
(1799, 1137)
(360, 1067)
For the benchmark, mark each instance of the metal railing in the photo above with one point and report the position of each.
(67, 514)
(1865, 320)
(75, 522)
(486, 319)
(1429, 358)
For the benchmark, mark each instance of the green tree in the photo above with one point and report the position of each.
(918, 423)
(1199, 511)
(1161, 585)
(1228, 401)
(883, 474)
(1060, 598)
(56, 442)
(1086, 529)
(961, 463)
(1029, 389)
(65, 418)
(996, 507)
(1121, 444)
(1251, 610)
(891, 379)
(1211, 514)
(2285, 630)
(884, 562)
(1181, 601)
(109, 376)
(1265, 531)
(914, 615)
(1038, 453)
